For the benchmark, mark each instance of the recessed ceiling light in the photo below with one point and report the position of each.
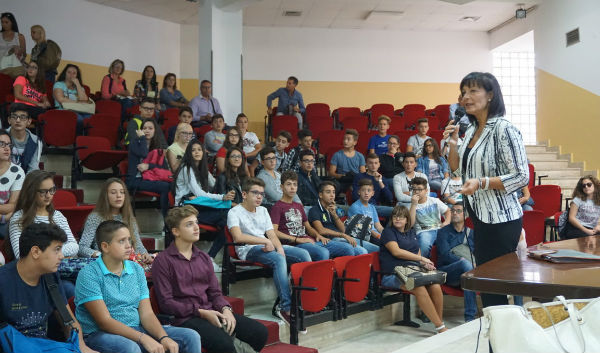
(380, 15)
(292, 13)
(470, 19)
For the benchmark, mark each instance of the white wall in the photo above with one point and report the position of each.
(96, 34)
(316, 54)
(189, 51)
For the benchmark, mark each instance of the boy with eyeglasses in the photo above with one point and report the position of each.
(185, 116)
(402, 181)
(271, 177)
(305, 140)
(147, 107)
(27, 148)
(250, 223)
(308, 181)
(429, 215)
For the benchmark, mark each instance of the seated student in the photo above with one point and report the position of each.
(347, 162)
(146, 140)
(272, 178)
(415, 142)
(525, 199)
(27, 148)
(324, 218)
(232, 139)
(30, 90)
(451, 190)
(250, 141)
(113, 302)
(584, 210)
(391, 161)
(214, 139)
(147, 85)
(250, 223)
(362, 206)
(291, 225)
(146, 112)
(402, 180)
(187, 288)
(429, 215)
(455, 245)
(68, 88)
(399, 246)
(25, 301)
(281, 144)
(305, 140)
(113, 203)
(175, 152)
(12, 176)
(192, 180)
(170, 96)
(308, 181)
(234, 175)
(378, 144)
(185, 116)
(381, 192)
(433, 165)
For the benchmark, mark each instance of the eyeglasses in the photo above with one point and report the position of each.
(16, 117)
(50, 191)
(393, 143)
(5, 144)
(236, 156)
(456, 210)
(417, 189)
(397, 218)
(270, 159)
(309, 161)
(187, 133)
(585, 185)
(428, 146)
(147, 108)
(257, 193)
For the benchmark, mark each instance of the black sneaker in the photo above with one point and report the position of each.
(284, 316)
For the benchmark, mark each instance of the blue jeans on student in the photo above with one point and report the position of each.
(317, 250)
(426, 240)
(187, 339)
(80, 119)
(338, 248)
(280, 276)
(384, 211)
(358, 249)
(295, 254)
(454, 271)
(159, 187)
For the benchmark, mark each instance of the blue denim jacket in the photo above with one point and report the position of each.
(447, 238)
(423, 166)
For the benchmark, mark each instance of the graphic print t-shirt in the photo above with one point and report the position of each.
(289, 217)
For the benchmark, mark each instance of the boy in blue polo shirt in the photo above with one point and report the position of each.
(113, 302)
(362, 206)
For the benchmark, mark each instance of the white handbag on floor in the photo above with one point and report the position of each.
(561, 326)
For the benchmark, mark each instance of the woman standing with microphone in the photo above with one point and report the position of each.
(493, 166)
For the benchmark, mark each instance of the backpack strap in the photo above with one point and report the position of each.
(58, 300)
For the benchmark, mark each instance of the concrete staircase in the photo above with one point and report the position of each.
(558, 167)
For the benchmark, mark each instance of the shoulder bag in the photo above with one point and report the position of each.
(156, 156)
(413, 275)
(87, 108)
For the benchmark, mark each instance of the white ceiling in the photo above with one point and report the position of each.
(418, 15)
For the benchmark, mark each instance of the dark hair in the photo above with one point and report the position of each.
(364, 182)
(401, 211)
(265, 151)
(148, 100)
(410, 155)
(227, 145)
(418, 181)
(436, 150)
(19, 107)
(238, 117)
(324, 184)
(353, 133)
(240, 174)
(167, 76)
(285, 134)
(106, 231)
(250, 182)
(422, 120)
(63, 73)
(115, 62)
(304, 153)
(40, 235)
(578, 191)
(14, 27)
(39, 82)
(205, 81)
(186, 109)
(372, 156)
(27, 201)
(397, 139)
(200, 170)
(303, 133)
(288, 175)
(294, 79)
(155, 140)
(153, 82)
(217, 116)
(489, 83)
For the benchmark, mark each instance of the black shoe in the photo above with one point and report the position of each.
(423, 317)
(284, 316)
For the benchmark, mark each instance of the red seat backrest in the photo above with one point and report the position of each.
(64, 198)
(380, 109)
(229, 238)
(317, 109)
(318, 124)
(547, 198)
(330, 139)
(59, 127)
(359, 123)
(531, 176)
(107, 106)
(358, 267)
(535, 229)
(346, 112)
(285, 122)
(319, 275)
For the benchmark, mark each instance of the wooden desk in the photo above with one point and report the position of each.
(518, 274)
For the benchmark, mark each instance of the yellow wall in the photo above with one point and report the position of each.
(568, 116)
(346, 94)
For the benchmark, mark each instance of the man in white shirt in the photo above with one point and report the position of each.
(402, 180)
(205, 106)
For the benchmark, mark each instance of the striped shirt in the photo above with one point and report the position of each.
(499, 152)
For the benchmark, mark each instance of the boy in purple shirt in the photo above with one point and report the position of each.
(186, 287)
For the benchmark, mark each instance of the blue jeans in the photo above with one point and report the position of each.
(338, 248)
(454, 271)
(365, 248)
(391, 281)
(384, 211)
(435, 185)
(295, 254)
(280, 277)
(317, 250)
(426, 240)
(80, 119)
(159, 187)
(187, 339)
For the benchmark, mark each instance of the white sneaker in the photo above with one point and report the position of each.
(216, 267)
